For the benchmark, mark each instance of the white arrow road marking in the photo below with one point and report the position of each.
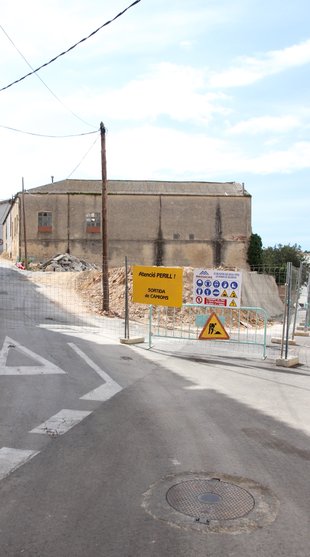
(10, 459)
(44, 368)
(105, 391)
(61, 422)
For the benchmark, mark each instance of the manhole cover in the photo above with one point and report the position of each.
(210, 499)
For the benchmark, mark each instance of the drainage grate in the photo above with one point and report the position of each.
(212, 499)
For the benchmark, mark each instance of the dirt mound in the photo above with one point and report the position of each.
(89, 287)
(257, 291)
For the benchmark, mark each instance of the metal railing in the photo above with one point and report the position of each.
(245, 325)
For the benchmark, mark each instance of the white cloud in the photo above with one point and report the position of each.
(263, 124)
(169, 90)
(248, 70)
(149, 152)
(186, 44)
(294, 158)
(160, 152)
(143, 152)
(150, 26)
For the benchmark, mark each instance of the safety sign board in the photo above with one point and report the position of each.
(212, 287)
(213, 329)
(158, 286)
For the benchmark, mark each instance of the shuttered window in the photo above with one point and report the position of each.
(45, 221)
(93, 223)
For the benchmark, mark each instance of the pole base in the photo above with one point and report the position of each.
(133, 340)
(276, 340)
(290, 362)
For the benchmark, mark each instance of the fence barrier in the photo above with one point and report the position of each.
(245, 325)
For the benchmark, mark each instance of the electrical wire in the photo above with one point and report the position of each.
(71, 47)
(42, 81)
(84, 157)
(44, 135)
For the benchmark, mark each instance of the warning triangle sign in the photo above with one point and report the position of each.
(233, 294)
(233, 304)
(213, 329)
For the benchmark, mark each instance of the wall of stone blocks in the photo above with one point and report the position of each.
(148, 229)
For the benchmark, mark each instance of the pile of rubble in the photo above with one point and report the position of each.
(89, 287)
(66, 262)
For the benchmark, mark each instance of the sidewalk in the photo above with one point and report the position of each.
(201, 350)
(301, 349)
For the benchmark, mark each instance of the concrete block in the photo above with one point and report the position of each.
(133, 340)
(276, 340)
(301, 333)
(289, 362)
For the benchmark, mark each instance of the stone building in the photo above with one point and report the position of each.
(150, 222)
(4, 208)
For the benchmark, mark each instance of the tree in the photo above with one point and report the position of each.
(276, 258)
(280, 255)
(255, 252)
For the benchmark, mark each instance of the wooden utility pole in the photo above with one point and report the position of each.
(104, 226)
(24, 226)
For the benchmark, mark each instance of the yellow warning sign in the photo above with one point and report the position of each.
(224, 294)
(213, 329)
(233, 304)
(233, 294)
(157, 286)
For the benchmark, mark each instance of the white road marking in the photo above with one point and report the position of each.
(10, 459)
(45, 367)
(105, 391)
(60, 423)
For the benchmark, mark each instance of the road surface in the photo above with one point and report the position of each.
(97, 438)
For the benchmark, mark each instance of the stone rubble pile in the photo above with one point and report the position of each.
(67, 262)
(89, 287)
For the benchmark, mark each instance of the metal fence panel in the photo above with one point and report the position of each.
(245, 326)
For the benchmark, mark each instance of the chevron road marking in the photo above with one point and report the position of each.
(105, 391)
(63, 421)
(45, 367)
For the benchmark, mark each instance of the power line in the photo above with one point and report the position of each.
(71, 47)
(40, 78)
(84, 157)
(44, 135)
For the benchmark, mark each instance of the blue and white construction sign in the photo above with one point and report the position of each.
(213, 287)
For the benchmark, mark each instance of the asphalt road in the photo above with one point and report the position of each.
(145, 422)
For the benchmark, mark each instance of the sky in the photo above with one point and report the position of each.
(198, 90)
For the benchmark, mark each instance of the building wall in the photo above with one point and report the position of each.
(180, 230)
(11, 232)
(4, 207)
(148, 229)
(68, 226)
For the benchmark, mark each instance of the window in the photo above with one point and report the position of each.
(93, 223)
(176, 236)
(45, 222)
(192, 236)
